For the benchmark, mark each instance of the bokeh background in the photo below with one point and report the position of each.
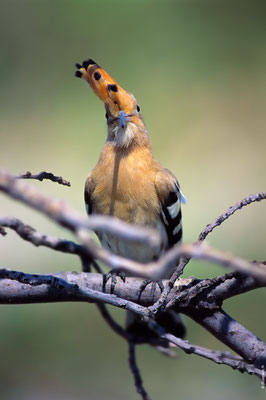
(198, 70)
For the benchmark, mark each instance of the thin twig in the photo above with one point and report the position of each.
(233, 334)
(238, 206)
(232, 285)
(217, 357)
(64, 215)
(111, 322)
(217, 222)
(202, 236)
(44, 175)
(29, 234)
(158, 269)
(237, 337)
(135, 371)
(215, 290)
(108, 317)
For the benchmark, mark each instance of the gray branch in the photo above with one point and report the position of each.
(202, 236)
(201, 300)
(44, 175)
(64, 215)
(18, 288)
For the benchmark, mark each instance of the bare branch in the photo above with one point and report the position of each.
(44, 175)
(234, 335)
(69, 218)
(72, 286)
(151, 270)
(238, 206)
(65, 216)
(204, 252)
(87, 287)
(202, 236)
(217, 357)
(162, 267)
(184, 292)
(200, 300)
(229, 285)
(52, 281)
(111, 322)
(136, 372)
(20, 290)
(29, 234)
(217, 222)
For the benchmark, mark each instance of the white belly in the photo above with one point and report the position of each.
(136, 251)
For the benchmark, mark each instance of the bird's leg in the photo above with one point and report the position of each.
(113, 274)
(145, 283)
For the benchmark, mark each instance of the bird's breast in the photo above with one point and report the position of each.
(125, 186)
(125, 189)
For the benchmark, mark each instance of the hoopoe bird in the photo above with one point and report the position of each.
(130, 184)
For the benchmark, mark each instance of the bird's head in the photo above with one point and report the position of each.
(124, 121)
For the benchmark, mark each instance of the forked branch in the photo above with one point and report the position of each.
(201, 300)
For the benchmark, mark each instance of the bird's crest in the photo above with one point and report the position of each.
(115, 98)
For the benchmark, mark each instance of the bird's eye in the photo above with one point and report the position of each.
(138, 108)
(106, 115)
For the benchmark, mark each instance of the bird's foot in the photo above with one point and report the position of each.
(113, 274)
(145, 283)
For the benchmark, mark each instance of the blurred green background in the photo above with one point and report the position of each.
(198, 70)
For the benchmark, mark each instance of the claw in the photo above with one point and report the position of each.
(145, 283)
(113, 274)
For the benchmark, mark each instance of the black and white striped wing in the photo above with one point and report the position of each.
(170, 198)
